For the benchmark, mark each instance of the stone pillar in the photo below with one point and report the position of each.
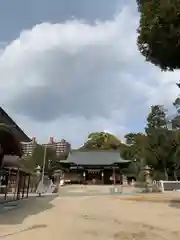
(23, 185)
(28, 185)
(20, 177)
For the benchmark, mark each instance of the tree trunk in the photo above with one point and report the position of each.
(166, 174)
(175, 175)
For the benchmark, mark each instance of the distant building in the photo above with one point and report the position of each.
(61, 147)
(28, 147)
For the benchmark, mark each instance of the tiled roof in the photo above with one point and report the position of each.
(95, 158)
(7, 120)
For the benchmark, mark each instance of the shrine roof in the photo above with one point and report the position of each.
(7, 121)
(95, 158)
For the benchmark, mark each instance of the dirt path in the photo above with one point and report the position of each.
(95, 217)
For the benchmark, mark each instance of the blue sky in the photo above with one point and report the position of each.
(70, 67)
(21, 14)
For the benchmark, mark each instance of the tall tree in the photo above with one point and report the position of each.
(174, 140)
(134, 149)
(159, 147)
(158, 151)
(136, 143)
(176, 119)
(159, 31)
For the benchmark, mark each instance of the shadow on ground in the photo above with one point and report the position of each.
(24, 230)
(18, 211)
(175, 203)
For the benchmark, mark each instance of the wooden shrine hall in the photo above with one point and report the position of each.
(14, 181)
(94, 167)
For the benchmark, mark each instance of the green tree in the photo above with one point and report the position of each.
(159, 147)
(176, 120)
(174, 156)
(134, 149)
(126, 152)
(158, 150)
(101, 141)
(174, 140)
(136, 143)
(37, 158)
(159, 31)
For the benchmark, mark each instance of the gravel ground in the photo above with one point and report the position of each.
(94, 217)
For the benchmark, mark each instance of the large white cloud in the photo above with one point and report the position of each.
(72, 78)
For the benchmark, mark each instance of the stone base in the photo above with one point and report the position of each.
(116, 190)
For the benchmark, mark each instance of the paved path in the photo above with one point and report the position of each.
(96, 190)
(98, 217)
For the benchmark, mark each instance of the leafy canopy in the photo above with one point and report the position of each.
(101, 141)
(158, 147)
(159, 32)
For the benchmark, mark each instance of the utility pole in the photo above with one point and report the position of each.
(44, 162)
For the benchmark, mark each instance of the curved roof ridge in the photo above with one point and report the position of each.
(95, 157)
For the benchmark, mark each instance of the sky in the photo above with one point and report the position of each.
(71, 67)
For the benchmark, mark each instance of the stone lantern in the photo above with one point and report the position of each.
(147, 171)
(38, 170)
(148, 179)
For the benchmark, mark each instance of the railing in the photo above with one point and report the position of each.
(168, 185)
